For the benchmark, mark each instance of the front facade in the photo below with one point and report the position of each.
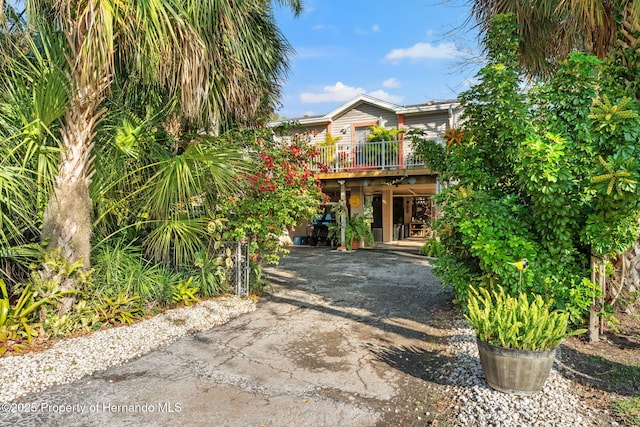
(386, 181)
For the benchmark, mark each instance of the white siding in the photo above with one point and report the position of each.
(433, 124)
(362, 113)
(317, 133)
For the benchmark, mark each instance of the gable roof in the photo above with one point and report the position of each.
(366, 99)
(361, 99)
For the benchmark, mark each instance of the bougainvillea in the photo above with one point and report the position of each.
(280, 193)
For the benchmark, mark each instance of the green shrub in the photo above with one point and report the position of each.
(122, 308)
(356, 228)
(185, 293)
(84, 316)
(549, 174)
(123, 268)
(213, 271)
(432, 248)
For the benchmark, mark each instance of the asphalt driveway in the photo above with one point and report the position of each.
(341, 339)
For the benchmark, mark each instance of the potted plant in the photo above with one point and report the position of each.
(356, 230)
(329, 155)
(378, 137)
(517, 338)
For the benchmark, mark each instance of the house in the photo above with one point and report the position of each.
(386, 181)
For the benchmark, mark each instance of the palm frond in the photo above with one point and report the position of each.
(551, 29)
(16, 214)
(176, 241)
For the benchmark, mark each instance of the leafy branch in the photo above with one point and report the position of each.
(609, 114)
(614, 179)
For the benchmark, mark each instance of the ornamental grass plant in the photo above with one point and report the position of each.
(516, 322)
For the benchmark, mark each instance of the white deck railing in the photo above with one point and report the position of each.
(381, 155)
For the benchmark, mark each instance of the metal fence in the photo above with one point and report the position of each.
(233, 259)
(242, 268)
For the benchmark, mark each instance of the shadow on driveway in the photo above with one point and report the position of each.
(340, 339)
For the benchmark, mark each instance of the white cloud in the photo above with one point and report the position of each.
(392, 82)
(375, 28)
(385, 96)
(325, 28)
(336, 93)
(342, 93)
(425, 51)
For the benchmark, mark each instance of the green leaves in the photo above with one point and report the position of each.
(616, 175)
(185, 293)
(605, 114)
(18, 320)
(494, 116)
(516, 322)
(122, 308)
(547, 173)
(279, 192)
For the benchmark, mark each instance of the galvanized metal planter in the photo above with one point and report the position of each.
(512, 371)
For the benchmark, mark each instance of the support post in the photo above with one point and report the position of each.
(343, 212)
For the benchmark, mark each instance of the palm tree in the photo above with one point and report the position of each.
(33, 100)
(551, 29)
(219, 58)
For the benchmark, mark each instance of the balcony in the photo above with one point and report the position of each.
(380, 155)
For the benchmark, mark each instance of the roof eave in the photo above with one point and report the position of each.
(300, 121)
(428, 108)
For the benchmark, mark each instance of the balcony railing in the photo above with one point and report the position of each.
(380, 155)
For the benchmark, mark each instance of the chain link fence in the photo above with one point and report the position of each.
(233, 259)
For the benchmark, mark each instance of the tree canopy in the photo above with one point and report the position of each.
(549, 30)
(549, 174)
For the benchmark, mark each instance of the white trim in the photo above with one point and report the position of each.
(302, 121)
(358, 99)
(428, 107)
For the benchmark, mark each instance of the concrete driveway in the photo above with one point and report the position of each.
(341, 339)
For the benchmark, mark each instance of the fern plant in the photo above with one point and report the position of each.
(515, 322)
(356, 228)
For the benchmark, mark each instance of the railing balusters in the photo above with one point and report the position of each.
(379, 155)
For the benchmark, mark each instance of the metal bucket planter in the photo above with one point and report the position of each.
(515, 371)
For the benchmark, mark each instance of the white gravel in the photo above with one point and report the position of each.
(476, 404)
(473, 402)
(73, 358)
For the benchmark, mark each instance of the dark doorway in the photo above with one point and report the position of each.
(398, 210)
(398, 218)
(376, 204)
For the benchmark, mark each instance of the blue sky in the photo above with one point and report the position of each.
(402, 51)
